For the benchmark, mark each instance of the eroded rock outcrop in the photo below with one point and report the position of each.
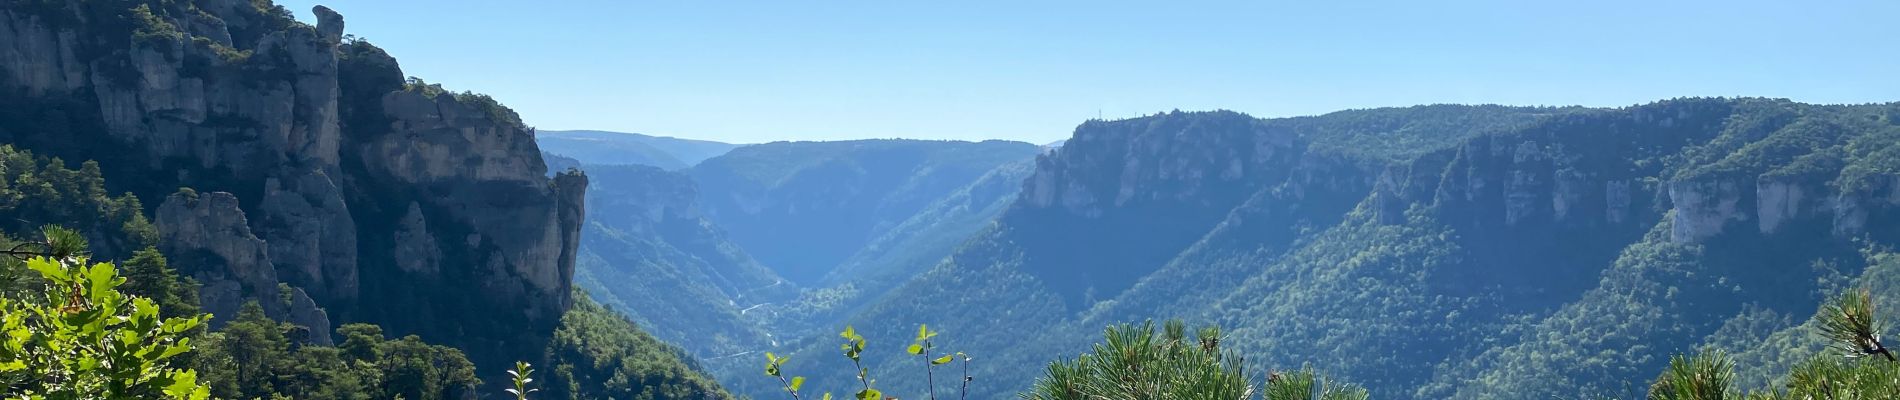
(211, 234)
(329, 23)
(38, 58)
(1704, 208)
(484, 177)
(1778, 201)
(1105, 181)
(312, 238)
(418, 253)
(240, 101)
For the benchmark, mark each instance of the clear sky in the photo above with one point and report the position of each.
(757, 71)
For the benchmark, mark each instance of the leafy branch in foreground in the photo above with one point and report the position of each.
(80, 338)
(774, 368)
(521, 378)
(853, 348)
(923, 346)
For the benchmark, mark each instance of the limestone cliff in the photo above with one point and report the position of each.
(210, 233)
(425, 211)
(1165, 179)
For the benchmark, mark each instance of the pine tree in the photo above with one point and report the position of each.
(147, 274)
(1136, 362)
(1861, 366)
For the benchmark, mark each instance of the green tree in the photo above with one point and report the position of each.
(147, 274)
(597, 353)
(252, 358)
(416, 370)
(79, 337)
(1136, 362)
(318, 372)
(1851, 372)
(360, 341)
(256, 346)
(1851, 324)
(1707, 376)
(1305, 384)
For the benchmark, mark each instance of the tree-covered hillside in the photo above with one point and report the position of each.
(647, 252)
(804, 208)
(1425, 252)
(914, 245)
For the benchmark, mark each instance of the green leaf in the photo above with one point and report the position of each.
(870, 394)
(941, 360)
(915, 349)
(144, 314)
(52, 271)
(923, 332)
(184, 385)
(172, 351)
(178, 325)
(797, 381)
(771, 364)
(102, 278)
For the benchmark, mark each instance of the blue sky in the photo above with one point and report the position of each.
(745, 71)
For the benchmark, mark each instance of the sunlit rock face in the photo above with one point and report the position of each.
(346, 199)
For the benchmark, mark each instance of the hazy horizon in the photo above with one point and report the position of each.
(1142, 115)
(762, 72)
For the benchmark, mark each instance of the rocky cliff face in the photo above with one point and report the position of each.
(1152, 186)
(354, 185)
(484, 180)
(210, 233)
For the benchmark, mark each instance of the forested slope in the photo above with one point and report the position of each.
(1495, 252)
